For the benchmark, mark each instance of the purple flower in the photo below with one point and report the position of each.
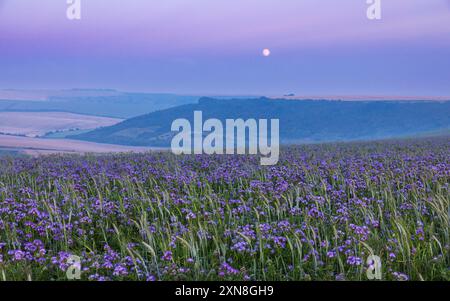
(226, 269)
(331, 254)
(167, 256)
(400, 276)
(150, 278)
(191, 215)
(17, 255)
(120, 270)
(240, 247)
(353, 260)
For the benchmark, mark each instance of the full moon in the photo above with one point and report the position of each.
(266, 52)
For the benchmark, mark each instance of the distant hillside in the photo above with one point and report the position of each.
(96, 102)
(300, 121)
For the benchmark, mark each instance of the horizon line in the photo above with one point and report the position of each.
(291, 96)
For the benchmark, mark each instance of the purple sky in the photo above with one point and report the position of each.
(319, 47)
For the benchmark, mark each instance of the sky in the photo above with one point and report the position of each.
(210, 47)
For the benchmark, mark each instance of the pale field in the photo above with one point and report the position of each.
(35, 124)
(40, 146)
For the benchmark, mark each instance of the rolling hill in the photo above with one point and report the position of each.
(301, 121)
(106, 103)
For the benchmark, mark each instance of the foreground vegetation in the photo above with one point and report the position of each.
(317, 215)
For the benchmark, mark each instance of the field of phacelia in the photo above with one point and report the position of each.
(317, 215)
